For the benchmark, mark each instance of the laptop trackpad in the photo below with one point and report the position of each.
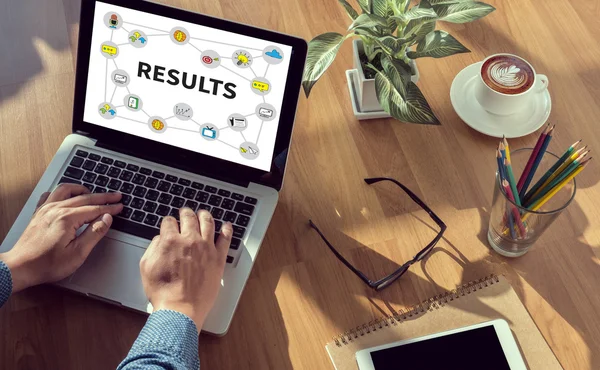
(112, 271)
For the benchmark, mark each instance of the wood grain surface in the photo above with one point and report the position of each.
(299, 296)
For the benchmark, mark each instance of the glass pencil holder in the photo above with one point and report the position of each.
(513, 229)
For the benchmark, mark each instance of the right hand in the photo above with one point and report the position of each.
(182, 270)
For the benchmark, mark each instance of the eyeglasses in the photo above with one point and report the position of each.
(388, 280)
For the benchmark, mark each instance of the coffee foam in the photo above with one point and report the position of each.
(507, 74)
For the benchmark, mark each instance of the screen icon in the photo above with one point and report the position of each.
(120, 79)
(238, 122)
(265, 113)
(108, 49)
(133, 102)
(209, 132)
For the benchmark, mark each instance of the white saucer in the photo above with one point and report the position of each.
(462, 95)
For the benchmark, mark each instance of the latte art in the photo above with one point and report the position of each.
(507, 74)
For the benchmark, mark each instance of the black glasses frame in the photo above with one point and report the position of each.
(388, 280)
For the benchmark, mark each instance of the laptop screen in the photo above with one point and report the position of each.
(197, 88)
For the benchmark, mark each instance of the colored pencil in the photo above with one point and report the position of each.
(506, 147)
(501, 172)
(536, 163)
(511, 181)
(549, 173)
(516, 215)
(532, 157)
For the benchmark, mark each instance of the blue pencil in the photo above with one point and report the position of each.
(536, 163)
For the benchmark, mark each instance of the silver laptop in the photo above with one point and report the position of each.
(175, 109)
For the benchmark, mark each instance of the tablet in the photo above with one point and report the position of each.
(489, 345)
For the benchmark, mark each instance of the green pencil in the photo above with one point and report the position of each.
(511, 181)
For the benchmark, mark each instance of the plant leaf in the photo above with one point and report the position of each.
(417, 13)
(438, 44)
(463, 12)
(321, 53)
(365, 6)
(379, 7)
(414, 108)
(349, 9)
(395, 43)
(439, 2)
(368, 21)
(398, 72)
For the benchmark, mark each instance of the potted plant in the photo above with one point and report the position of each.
(389, 36)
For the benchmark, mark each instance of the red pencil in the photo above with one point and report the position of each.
(532, 158)
(515, 211)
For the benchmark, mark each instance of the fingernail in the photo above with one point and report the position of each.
(107, 219)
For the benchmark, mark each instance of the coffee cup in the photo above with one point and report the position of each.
(507, 83)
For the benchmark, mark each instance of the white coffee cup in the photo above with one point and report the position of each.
(504, 104)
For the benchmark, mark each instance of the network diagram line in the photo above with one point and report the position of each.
(219, 140)
(129, 119)
(194, 46)
(251, 114)
(168, 118)
(124, 29)
(123, 44)
(113, 94)
(115, 62)
(243, 136)
(157, 34)
(105, 80)
(182, 129)
(247, 79)
(267, 70)
(111, 34)
(259, 131)
(224, 43)
(145, 113)
(150, 28)
(254, 73)
(191, 119)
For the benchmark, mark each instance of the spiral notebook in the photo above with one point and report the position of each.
(472, 303)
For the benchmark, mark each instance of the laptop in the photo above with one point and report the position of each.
(175, 109)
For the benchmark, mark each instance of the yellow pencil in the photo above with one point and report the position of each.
(560, 169)
(506, 148)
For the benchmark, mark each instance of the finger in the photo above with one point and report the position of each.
(207, 225)
(92, 199)
(224, 240)
(95, 231)
(42, 200)
(169, 226)
(189, 222)
(66, 191)
(85, 214)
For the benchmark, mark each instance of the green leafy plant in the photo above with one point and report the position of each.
(393, 33)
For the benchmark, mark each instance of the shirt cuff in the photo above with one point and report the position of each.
(170, 331)
(5, 283)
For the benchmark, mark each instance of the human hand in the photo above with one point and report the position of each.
(49, 249)
(182, 270)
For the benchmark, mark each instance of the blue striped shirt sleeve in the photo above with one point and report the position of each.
(5, 283)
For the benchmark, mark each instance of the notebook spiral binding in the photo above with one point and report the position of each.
(430, 304)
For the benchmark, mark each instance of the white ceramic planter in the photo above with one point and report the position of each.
(365, 88)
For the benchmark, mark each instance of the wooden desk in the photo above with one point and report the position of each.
(299, 296)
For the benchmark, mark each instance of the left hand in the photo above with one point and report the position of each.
(49, 249)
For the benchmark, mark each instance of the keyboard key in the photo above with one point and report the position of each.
(230, 216)
(217, 213)
(243, 220)
(218, 225)
(228, 203)
(126, 212)
(197, 185)
(175, 213)
(224, 193)
(235, 243)
(238, 231)
(89, 177)
(251, 200)
(133, 167)
(171, 178)
(202, 197)
(140, 191)
(210, 189)
(81, 153)
(184, 182)
(215, 200)
(191, 204)
(127, 188)
(137, 203)
(138, 216)
(107, 160)
(89, 186)
(165, 198)
(237, 196)
(74, 173)
(164, 186)
(177, 202)
(205, 207)
(163, 210)
(101, 168)
(189, 193)
(133, 228)
(89, 165)
(151, 182)
(139, 179)
(145, 171)
(243, 208)
(113, 172)
(126, 175)
(99, 189)
(126, 199)
(120, 164)
(229, 259)
(152, 195)
(158, 175)
(66, 180)
(101, 181)
(151, 220)
(150, 207)
(114, 184)
(94, 157)
(77, 161)
(176, 189)
(159, 222)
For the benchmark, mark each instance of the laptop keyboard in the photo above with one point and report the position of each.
(150, 195)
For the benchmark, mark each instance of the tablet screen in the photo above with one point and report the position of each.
(468, 350)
